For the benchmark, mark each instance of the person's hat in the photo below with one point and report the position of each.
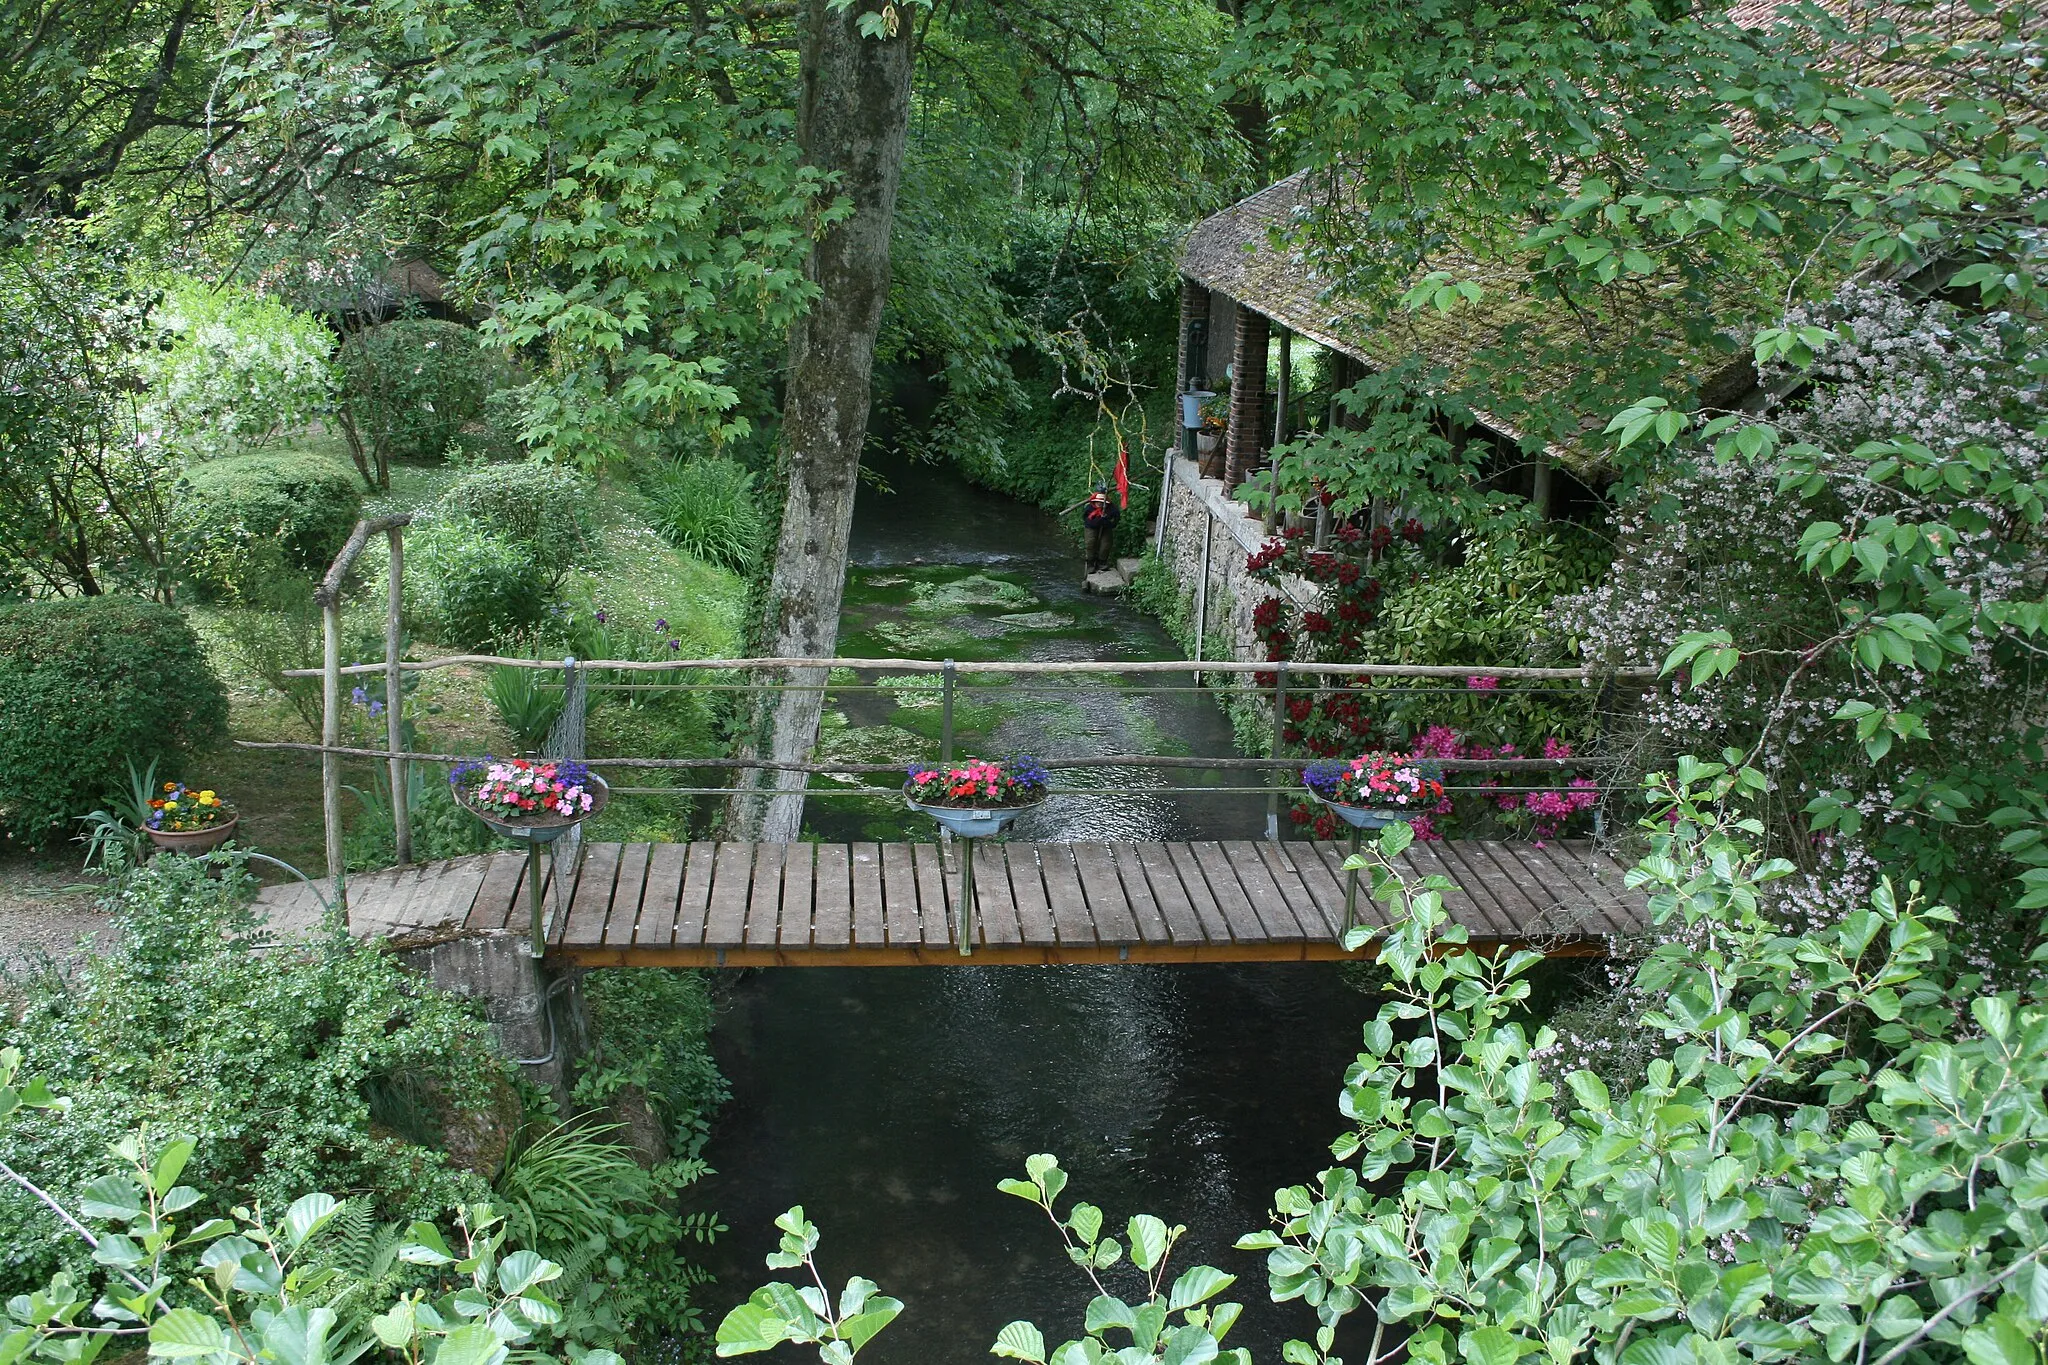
(1101, 487)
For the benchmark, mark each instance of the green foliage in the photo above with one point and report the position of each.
(268, 641)
(528, 702)
(88, 685)
(546, 509)
(268, 1058)
(252, 528)
(116, 837)
(441, 828)
(651, 1033)
(781, 1312)
(580, 1196)
(84, 489)
(1154, 1336)
(237, 368)
(259, 1289)
(469, 585)
(1833, 1155)
(408, 388)
(710, 508)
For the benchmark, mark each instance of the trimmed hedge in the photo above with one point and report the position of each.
(86, 685)
(243, 523)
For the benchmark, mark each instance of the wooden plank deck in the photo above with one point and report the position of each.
(823, 905)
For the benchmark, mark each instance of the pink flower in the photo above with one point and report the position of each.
(1481, 683)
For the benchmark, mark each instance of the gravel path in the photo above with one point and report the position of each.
(45, 911)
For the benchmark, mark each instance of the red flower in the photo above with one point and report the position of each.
(1315, 623)
(1267, 613)
(1411, 531)
(1347, 573)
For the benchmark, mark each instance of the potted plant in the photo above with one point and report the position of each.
(1377, 789)
(978, 798)
(189, 820)
(532, 800)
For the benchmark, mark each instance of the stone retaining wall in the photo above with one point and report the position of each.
(1199, 510)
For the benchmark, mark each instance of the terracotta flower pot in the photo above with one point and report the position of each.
(193, 842)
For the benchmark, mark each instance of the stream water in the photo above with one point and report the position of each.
(889, 1101)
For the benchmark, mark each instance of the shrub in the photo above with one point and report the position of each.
(468, 585)
(408, 388)
(710, 508)
(238, 370)
(544, 508)
(86, 686)
(271, 1060)
(243, 523)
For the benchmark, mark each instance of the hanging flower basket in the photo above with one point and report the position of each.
(977, 799)
(189, 821)
(1375, 790)
(531, 800)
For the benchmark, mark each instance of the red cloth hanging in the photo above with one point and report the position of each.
(1123, 476)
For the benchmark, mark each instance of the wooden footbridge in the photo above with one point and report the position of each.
(861, 904)
(868, 904)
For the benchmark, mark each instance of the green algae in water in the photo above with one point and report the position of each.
(1036, 621)
(973, 592)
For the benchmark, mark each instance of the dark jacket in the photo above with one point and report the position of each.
(1100, 513)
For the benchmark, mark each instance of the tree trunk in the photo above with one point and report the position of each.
(852, 120)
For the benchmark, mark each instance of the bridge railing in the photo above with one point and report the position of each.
(1271, 684)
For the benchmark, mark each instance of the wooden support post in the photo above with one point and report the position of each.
(1279, 427)
(394, 701)
(1202, 591)
(537, 925)
(1165, 506)
(330, 736)
(1539, 488)
(1277, 778)
(1351, 882)
(965, 918)
(1322, 522)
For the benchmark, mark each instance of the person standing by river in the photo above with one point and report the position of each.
(1100, 516)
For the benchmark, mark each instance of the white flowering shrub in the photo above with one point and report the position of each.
(1854, 589)
(237, 371)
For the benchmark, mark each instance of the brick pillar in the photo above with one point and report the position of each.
(1247, 434)
(1194, 307)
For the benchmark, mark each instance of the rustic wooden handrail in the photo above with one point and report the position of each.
(1585, 673)
(1233, 764)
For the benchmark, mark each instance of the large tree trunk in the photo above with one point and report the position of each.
(852, 120)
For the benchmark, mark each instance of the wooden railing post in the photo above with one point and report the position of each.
(328, 597)
(394, 702)
(946, 713)
(1202, 590)
(330, 736)
(1279, 733)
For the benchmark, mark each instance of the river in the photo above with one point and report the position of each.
(889, 1102)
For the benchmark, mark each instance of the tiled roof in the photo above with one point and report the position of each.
(1234, 252)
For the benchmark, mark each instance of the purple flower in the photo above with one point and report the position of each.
(376, 708)
(359, 696)
(600, 616)
(662, 624)
(675, 644)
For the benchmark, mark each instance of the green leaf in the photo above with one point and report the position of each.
(473, 1343)
(1148, 1240)
(307, 1215)
(522, 1270)
(1492, 1346)
(1020, 1341)
(751, 1327)
(170, 1164)
(111, 1199)
(184, 1334)
(1086, 1221)
(1198, 1284)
